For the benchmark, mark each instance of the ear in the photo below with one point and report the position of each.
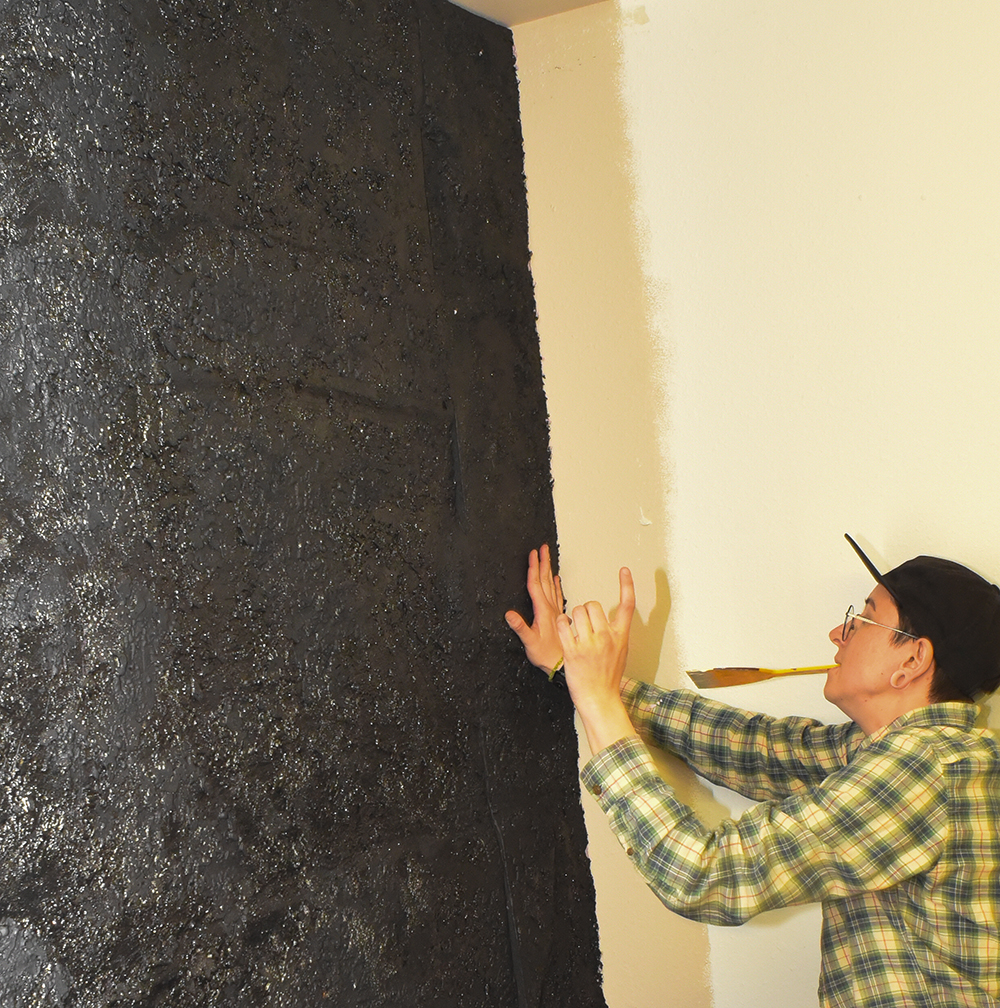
(917, 664)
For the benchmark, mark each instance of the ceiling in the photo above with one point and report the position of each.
(515, 12)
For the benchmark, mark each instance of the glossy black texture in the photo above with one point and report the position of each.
(274, 448)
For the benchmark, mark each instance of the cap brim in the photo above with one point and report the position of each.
(872, 569)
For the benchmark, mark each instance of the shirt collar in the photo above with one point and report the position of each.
(955, 715)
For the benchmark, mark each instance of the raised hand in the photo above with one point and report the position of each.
(541, 639)
(595, 650)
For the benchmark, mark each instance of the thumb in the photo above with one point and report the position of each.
(564, 627)
(515, 622)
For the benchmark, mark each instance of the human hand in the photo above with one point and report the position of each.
(541, 640)
(596, 649)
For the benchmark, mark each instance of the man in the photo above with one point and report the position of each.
(891, 821)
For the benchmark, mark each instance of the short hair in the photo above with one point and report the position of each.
(943, 689)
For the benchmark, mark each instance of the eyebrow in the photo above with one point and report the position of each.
(869, 601)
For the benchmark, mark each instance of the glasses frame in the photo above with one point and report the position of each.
(850, 616)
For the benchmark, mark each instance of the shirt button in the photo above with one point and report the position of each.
(630, 852)
(597, 790)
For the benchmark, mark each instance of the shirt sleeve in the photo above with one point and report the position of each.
(868, 826)
(760, 757)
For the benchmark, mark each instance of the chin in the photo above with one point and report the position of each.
(832, 695)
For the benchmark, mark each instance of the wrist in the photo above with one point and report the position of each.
(605, 719)
(596, 706)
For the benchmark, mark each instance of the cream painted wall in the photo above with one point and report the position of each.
(766, 262)
(601, 362)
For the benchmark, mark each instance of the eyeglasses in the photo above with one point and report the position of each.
(851, 616)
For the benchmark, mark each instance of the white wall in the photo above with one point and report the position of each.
(766, 256)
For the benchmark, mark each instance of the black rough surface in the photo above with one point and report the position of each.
(274, 448)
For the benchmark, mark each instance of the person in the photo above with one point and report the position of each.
(890, 820)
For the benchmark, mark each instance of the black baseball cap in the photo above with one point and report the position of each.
(956, 609)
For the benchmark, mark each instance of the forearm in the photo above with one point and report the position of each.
(690, 868)
(761, 757)
(809, 847)
(605, 720)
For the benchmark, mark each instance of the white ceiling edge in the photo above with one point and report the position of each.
(515, 12)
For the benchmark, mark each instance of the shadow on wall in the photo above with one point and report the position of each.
(274, 448)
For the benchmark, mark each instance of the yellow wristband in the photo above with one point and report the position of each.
(555, 668)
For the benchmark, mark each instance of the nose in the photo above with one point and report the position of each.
(836, 634)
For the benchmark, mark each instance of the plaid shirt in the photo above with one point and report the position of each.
(896, 833)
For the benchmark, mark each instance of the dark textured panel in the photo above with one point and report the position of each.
(273, 449)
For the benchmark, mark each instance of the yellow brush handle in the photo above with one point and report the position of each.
(799, 671)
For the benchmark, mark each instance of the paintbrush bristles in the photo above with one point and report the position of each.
(713, 678)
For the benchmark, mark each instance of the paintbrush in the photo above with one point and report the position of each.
(711, 678)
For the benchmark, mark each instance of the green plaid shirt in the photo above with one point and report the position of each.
(896, 833)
